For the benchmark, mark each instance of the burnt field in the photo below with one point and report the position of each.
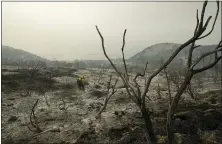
(45, 106)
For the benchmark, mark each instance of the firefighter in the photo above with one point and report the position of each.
(80, 83)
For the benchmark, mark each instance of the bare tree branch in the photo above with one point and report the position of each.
(217, 49)
(135, 82)
(213, 23)
(118, 72)
(144, 72)
(33, 119)
(191, 53)
(198, 22)
(104, 51)
(114, 90)
(131, 92)
(124, 61)
(101, 73)
(189, 73)
(203, 56)
(109, 83)
(190, 91)
(168, 86)
(202, 13)
(193, 44)
(164, 66)
(199, 31)
(208, 66)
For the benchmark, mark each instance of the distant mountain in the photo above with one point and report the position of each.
(12, 54)
(153, 54)
(155, 50)
(162, 51)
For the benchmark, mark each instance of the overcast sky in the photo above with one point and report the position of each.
(66, 30)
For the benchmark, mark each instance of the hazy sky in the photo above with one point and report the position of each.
(66, 30)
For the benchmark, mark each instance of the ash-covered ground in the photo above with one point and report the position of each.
(66, 115)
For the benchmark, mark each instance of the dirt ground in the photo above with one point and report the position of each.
(66, 115)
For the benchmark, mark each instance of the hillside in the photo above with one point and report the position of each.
(155, 53)
(12, 54)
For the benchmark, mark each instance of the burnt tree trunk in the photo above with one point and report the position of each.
(173, 106)
(149, 126)
(104, 106)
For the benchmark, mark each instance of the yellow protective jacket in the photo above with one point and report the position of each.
(82, 79)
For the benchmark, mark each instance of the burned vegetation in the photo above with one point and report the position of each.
(122, 104)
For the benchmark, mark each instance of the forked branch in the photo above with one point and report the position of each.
(128, 86)
(200, 29)
(215, 52)
(135, 80)
(33, 120)
(109, 95)
(215, 19)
